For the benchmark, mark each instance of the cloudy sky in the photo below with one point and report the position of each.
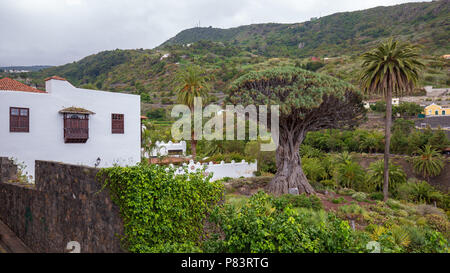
(54, 32)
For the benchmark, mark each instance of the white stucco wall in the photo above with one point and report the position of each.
(45, 140)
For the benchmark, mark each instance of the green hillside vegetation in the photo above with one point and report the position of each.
(337, 40)
(425, 23)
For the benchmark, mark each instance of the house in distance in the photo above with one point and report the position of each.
(68, 124)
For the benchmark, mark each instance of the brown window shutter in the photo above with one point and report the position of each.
(117, 123)
(19, 119)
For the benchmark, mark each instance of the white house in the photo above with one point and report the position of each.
(170, 148)
(68, 124)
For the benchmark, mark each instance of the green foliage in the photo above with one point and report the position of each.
(420, 191)
(260, 227)
(376, 196)
(338, 200)
(428, 162)
(294, 89)
(410, 109)
(335, 140)
(333, 35)
(375, 176)
(313, 169)
(191, 82)
(160, 211)
(391, 68)
(157, 114)
(350, 174)
(299, 201)
(266, 159)
(379, 106)
(360, 196)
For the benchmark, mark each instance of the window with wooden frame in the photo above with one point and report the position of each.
(19, 119)
(76, 128)
(117, 123)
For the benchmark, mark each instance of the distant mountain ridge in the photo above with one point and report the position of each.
(25, 67)
(426, 23)
(228, 54)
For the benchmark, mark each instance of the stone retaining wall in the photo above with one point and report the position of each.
(63, 205)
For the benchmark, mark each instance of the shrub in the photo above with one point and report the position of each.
(346, 191)
(338, 200)
(376, 196)
(419, 191)
(161, 211)
(259, 227)
(300, 201)
(328, 183)
(359, 196)
(438, 222)
(313, 169)
(424, 210)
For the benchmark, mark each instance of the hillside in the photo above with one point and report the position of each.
(349, 33)
(151, 72)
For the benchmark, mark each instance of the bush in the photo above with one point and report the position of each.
(419, 191)
(359, 196)
(161, 211)
(259, 227)
(313, 169)
(338, 200)
(300, 201)
(376, 196)
(328, 183)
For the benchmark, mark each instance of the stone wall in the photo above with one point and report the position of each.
(7, 169)
(63, 205)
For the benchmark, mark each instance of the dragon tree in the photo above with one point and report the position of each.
(307, 101)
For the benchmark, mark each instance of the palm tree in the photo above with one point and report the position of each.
(391, 68)
(191, 83)
(375, 176)
(428, 162)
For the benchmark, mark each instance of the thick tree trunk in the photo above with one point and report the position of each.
(387, 144)
(289, 171)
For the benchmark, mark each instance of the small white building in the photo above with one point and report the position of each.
(169, 148)
(68, 124)
(368, 103)
(220, 170)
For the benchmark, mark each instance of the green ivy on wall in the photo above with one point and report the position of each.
(161, 211)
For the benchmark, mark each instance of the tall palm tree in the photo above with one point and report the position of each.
(391, 68)
(428, 162)
(191, 82)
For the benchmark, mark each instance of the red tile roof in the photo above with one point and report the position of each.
(55, 78)
(10, 84)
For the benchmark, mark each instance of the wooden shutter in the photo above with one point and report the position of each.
(76, 128)
(117, 123)
(19, 119)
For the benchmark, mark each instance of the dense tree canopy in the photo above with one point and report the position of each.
(308, 101)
